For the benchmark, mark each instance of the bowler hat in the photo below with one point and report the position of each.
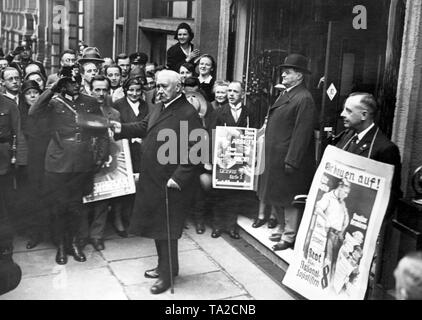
(296, 61)
(91, 54)
(30, 84)
(138, 58)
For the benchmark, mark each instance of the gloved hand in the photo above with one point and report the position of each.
(57, 86)
(18, 50)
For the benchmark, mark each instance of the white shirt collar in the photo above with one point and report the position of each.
(364, 132)
(236, 107)
(169, 103)
(11, 96)
(205, 80)
(291, 88)
(134, 106)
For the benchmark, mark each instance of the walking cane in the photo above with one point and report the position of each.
(168, 239)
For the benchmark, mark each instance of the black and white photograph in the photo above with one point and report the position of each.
(224, 151)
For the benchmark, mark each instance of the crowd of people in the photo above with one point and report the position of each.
(55, 132)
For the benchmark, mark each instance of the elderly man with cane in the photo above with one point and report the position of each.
(167, 176)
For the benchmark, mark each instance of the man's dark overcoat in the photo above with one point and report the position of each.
(149, 214)
(383, 150)
(289, 138)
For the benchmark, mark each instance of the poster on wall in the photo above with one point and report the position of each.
(234, 158)
(115, 178)
(340, 225)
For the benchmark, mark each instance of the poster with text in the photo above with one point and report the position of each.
(342, 219)
(234, 158)
(115, 178)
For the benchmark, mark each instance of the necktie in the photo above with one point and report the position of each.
(16, 100)
(353, 144)
(235, 112)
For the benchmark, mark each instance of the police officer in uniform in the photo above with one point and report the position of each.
(10, 273)
(76, 150)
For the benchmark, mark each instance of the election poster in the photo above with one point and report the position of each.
(340, 225)
(116, 177)
(234, 158)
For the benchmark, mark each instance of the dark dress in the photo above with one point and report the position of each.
(127, 116)
(176, 57)
(207, 89)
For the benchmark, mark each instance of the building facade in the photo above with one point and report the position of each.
(365, 45)
(55, 25)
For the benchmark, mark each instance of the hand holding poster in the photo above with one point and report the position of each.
(116, 177)
(234, 158)
(340, 225)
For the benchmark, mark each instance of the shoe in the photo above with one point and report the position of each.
(76, 252)
(152, 274)
(98, 244)
(258, 223)
(200, 228)
(160, 286)
(61, 256)
(121, 233)
(216, 233)
(32, 243)
(282, 245)
(233, 233)
(272, 223)
(276, 237)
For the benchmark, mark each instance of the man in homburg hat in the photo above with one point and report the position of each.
(289, 149)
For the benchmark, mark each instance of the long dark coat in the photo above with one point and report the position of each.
(149, 214)
(289, 138)
(383, 150)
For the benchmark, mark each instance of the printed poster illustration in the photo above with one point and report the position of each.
(340, 225)
(115, 178)
(234, 158)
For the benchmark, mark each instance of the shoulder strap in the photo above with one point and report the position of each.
(66, 104)
(372, 143)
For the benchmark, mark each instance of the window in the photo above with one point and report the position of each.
(81, 20)
(181, 9)
(120, 6)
